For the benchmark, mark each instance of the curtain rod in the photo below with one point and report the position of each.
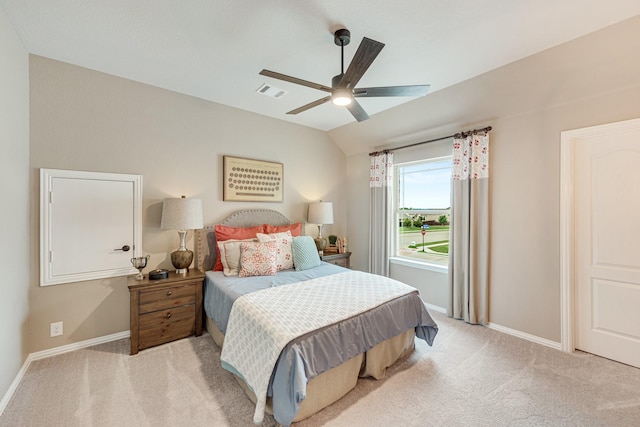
(455, 135)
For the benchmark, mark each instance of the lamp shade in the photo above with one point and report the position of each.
(320, 213)
(181, 214)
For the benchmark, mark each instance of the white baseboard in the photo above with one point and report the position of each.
(525, 336)
(54, 352)
(435, 308)
(77, 346)
(14, 385)
(504, 329)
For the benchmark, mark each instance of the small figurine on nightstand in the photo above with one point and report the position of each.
(140, 263)
(342, 245)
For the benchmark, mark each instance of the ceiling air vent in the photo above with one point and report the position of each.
(271, 91)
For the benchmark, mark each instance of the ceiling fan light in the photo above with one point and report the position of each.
(341, 97)
(341, 100)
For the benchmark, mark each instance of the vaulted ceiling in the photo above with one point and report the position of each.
(214, 49)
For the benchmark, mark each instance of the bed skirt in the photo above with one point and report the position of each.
(328, 387)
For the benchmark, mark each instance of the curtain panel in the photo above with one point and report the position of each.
(469, 232)
(381, 193)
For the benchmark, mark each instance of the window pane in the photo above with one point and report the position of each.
(423, 204)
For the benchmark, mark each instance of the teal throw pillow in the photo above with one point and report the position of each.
(305, 253)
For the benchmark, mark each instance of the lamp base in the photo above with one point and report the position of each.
(181, 260)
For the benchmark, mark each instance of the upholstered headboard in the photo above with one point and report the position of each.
(205, 239)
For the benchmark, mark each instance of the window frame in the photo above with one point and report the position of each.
(396, 258)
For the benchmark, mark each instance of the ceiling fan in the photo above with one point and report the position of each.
(343, 90)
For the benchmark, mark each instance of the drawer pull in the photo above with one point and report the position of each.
(168, 316)
(169, 293)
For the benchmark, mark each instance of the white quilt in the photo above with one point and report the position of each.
(262, 323)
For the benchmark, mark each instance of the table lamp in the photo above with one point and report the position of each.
(320, 213)
(183, 215)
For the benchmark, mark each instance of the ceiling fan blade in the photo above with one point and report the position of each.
(310, 105)
(369, 92)
(295, 80)
(357, 111)
(362, 60)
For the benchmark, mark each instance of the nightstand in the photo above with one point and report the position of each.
(165, 310)
(343, 260)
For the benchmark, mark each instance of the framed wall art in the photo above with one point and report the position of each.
(249, 180)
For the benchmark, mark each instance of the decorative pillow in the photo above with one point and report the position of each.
(258, 259)
(295, 229)
(284, 258)
(230, 255)
(305, 253)
(224, 232)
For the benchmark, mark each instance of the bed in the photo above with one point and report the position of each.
(316, 366)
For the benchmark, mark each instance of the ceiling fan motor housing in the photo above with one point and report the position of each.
(335, 81)
(342, 37)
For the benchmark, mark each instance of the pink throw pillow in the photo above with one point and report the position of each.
(258, 259)
(224, 232)
(295, 229)
(284, 257)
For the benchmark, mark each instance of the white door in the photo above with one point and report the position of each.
(91, 221)
(90, 225)
(607, 241)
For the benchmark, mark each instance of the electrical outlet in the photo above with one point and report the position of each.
(56, 329)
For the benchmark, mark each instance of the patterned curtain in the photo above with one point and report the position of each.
(469, 235)
(380, 183)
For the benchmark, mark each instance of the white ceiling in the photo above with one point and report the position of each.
(214, 49)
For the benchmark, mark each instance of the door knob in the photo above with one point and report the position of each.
(125, 248)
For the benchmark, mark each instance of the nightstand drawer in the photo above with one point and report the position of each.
(343, 260)
(167, 298)
(166, 325)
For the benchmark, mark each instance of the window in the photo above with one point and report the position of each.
(422, 209)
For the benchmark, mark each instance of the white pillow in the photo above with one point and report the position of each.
(284, 257)
(230, 255)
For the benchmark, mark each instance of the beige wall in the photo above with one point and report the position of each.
(591, 80)
(14, 215)
(85, 120)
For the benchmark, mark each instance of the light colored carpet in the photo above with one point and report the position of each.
(472, 376)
